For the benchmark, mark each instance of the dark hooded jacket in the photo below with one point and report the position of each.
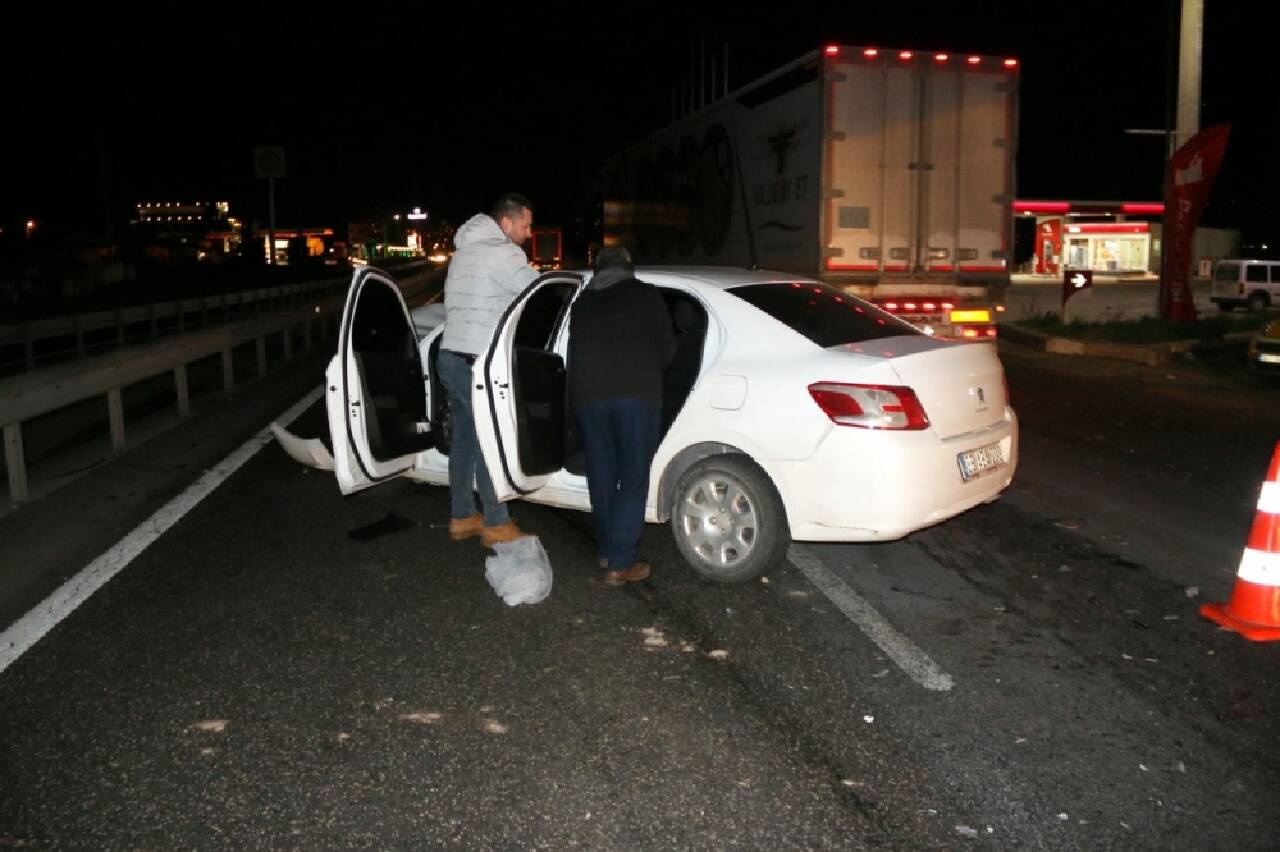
(620, 339)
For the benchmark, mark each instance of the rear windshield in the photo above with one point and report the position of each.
(825, 315)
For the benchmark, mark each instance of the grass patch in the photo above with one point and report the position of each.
(1149, 329)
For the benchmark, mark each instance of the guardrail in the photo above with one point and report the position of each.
(33, 394)
(87, 333)
(81, 333)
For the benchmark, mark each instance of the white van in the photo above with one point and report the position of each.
(1255, 283)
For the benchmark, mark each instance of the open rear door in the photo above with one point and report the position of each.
(518, 391)
(374, 390)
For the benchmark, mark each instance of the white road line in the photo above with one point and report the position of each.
(29, 629)
(904, 653)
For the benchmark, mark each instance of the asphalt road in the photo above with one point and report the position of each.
(285, 668)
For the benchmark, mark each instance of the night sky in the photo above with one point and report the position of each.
(381, 111)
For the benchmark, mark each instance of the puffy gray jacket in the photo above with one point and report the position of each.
(486, 273)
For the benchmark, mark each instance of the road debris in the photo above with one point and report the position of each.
(211, 726)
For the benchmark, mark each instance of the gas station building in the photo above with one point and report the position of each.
(1115, 238)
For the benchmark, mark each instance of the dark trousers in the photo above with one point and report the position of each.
(466, 465)
(619, 437)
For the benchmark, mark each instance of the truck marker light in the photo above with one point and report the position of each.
(890, 306)
(940, 57)
(906, 54)
(909, 306)
(833, 50)
(1011, 63)
(871, 53)
(974, 60)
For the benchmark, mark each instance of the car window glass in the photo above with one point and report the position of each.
(1227, 272)
(541, 315)
(1275, 273)
(825, 315)
(1255, 273)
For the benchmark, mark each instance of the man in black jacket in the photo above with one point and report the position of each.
(620, 341)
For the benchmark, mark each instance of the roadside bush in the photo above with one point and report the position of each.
(1149, 329)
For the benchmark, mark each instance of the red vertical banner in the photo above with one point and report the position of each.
(1192, 169)
(1048, 246)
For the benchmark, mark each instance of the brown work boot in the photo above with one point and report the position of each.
(637, 571)
(461, 529)
(502, 532)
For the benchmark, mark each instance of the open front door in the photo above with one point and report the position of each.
(374, 390)
(518, 391)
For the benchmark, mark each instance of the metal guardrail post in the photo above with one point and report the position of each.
(261, 344)
(184, 392)
(115, 413)
(228, 374)
(15, 463)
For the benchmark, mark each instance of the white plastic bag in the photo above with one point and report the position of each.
(519, 571)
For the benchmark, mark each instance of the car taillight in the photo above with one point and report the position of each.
(870, 406)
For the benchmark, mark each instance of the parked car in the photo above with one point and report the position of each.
(792, 411)
(1264, 350)
(1249, 283)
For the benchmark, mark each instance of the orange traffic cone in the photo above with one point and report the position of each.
(1254, 608)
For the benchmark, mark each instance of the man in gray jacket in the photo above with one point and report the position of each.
(488, 270)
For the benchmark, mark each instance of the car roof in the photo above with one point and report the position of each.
(717, 277)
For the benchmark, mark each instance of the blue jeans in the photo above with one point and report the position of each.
(466, 466)
(619, 437)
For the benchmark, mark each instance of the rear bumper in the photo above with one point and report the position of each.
(859, 486)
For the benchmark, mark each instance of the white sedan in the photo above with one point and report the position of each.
(792, 411)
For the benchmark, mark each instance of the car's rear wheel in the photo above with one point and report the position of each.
(728, 520)
(1258, 302)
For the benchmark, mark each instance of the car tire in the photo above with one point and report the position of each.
(1258, 302)
(728, 521)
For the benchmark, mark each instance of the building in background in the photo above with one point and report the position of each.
(175, 232)
(1119, 238)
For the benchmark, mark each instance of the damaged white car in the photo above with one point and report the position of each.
(791, 411)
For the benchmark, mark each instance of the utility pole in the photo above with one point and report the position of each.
(1190, 56)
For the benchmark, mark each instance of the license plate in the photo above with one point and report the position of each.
(983, 460)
